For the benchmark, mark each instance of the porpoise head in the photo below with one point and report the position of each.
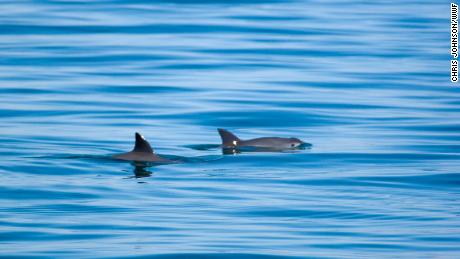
(295, 142)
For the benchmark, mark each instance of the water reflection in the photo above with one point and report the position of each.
(141, 170)
(239, 150)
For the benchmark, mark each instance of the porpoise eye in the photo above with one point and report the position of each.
(292, 145)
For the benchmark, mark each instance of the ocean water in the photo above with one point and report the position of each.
(367, 83)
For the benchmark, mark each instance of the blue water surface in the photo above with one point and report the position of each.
(367, 83)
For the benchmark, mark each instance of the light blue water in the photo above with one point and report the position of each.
(366, 82)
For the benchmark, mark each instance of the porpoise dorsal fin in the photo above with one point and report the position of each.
(228, 138)
(142, 145)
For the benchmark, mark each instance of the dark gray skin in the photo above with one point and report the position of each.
(229, 140)
(142, 152)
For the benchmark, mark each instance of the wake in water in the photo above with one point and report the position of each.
(141, 169)
(173, 158)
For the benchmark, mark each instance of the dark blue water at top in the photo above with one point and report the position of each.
(367, 83)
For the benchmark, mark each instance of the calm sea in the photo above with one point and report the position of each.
(367, 83)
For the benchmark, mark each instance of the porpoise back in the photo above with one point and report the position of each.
(142, 152)
(230, 140)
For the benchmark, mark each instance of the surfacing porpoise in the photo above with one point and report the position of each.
(142, 152)
(229, 140)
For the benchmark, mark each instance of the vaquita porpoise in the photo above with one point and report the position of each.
(229, 140)
(142, 152)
